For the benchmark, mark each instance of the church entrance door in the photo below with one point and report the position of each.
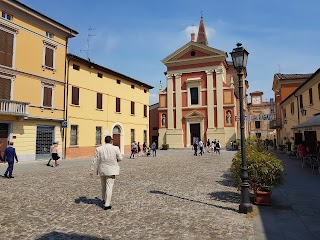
(194, 132)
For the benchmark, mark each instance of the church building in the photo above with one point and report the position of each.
(200, 100)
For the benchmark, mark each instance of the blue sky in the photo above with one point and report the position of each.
(132, 37)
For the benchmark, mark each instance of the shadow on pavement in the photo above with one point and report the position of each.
(93, 201)
(68, 236)
(226, 196)
(192, 200)
(227, 181)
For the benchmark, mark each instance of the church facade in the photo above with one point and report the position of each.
(200, 99)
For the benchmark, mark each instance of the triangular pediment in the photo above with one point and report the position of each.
(194, 51)
(194, 114)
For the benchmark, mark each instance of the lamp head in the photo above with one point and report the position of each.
(239, 57)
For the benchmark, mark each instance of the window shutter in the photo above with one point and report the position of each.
(144, 110)
(118, 108)
(6, 48)
(47, 97)
(5, 88)
(99, 101)
(49, 57)
(75, 95)
(132, 108)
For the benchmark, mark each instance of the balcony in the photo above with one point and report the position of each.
(276, 123)
(8, 107)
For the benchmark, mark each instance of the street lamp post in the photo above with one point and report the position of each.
(239, 59)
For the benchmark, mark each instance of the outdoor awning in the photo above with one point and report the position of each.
(310, 123)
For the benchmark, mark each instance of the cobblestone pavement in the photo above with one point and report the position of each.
(172, 196)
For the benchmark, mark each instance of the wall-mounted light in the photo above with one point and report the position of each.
(303, 111)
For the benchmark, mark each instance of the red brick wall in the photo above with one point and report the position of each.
(154, 122)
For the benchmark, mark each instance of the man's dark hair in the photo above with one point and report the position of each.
(108, 139)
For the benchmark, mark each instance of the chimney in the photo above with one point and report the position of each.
(193, 37)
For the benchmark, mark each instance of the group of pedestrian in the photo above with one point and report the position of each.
(213, 147)
(136, 150)
(9, 157)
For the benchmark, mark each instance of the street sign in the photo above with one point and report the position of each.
(64, 124)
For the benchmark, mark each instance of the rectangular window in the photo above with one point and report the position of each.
(7, 16)
(132, 108)
(132, 136)
(76, 67)
(257, 124)
(118, 107)
(194, 96)
(49, 57)
(284, 113)
(100, 75)
(145, 91)
(292, 108)
(98, 135)
(145, 114)
(145, 136)
(74, 135)
(310, 96)
(118, 81)
(5, 88)
(49, 35)
(99, 100)
(132, 86)
(6, 48)
(47, 95)
(301, 101)
(75, 95)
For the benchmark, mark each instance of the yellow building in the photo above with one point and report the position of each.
(301, 114)
(103, 102)
(33, 51)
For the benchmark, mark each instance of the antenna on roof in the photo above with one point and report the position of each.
(279, 68)
(89, 36)
(201, 14)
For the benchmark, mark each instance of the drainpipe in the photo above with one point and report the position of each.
(298, 108)
(65, 99)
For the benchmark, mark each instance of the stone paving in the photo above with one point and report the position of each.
(172, 196)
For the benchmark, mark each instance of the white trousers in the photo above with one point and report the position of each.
(106, 188)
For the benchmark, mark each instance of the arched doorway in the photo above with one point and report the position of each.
(116, 133)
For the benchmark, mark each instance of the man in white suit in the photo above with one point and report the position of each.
(105, 164)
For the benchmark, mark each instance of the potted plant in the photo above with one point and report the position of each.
(236, 144)
(165, 146)
(265, 171)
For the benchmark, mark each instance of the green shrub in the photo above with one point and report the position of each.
(265, 170)
(165, 146)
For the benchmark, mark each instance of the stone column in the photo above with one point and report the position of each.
(219, 92)
(178, 101)
(210, 102)
(170, 102)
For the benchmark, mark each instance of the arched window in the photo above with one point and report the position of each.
(116, 130)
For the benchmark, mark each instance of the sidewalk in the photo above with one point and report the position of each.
(295, 210)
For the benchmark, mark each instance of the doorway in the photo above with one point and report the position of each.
(311, 140)
(4, 133)
(44, 140)
(194, 132)
(297, 138)
(116, 133)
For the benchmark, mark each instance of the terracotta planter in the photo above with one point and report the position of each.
(262, 198)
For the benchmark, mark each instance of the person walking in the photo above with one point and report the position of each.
(201, 147)
(105, 164)
(154, 149)
(218, 147)
(139, 149)
(214, 145)
(144, 147)
(208, 145)
(55, 155)
(52, 146)
(9, 156)
(195, 148)
(133, 149)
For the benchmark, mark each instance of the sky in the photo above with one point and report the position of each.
(132, 37)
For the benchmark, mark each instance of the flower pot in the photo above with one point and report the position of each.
(262, 198)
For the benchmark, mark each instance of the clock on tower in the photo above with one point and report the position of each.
(256, 100)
